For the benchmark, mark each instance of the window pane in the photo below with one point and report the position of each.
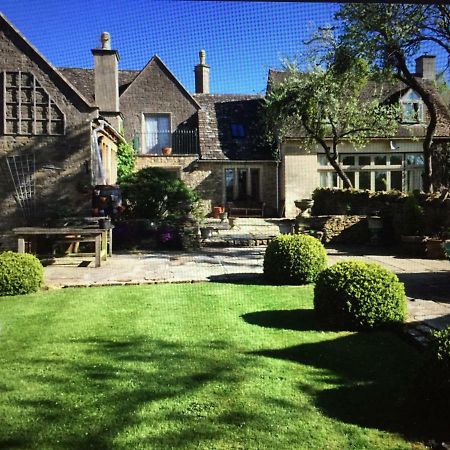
(413, 180)
(323, 179)
(323, 160)
(242, 184)
(364, 180)
(396, 160)
(334, 179)
(380, 160)
(348, 160)
(414, 159)
(380, 181)
(396, 180)
(237, 130)
(254, 180)
(364, 160)
(351, 177)
(158, 133)
(229, 184)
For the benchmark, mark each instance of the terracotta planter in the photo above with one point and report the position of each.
(166, 151)
(217, 211)
(413, 246)
(434, 249)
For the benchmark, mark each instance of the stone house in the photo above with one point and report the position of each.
(66, 124)
(214, 139)
(54, 142)
(394, 163)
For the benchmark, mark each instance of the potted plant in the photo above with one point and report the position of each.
(166, 151)
(434, 247)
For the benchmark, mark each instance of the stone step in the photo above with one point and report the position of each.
(236, 241)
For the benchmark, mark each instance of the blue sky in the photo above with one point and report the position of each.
(242, 39)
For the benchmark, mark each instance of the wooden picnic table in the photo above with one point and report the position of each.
(102, 237)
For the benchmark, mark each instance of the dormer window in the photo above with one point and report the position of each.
(412, 108)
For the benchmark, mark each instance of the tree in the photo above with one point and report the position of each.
(389, 34)
(325, 105)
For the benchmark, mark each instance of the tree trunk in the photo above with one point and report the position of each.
(333, 159)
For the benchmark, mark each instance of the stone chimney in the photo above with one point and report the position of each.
(426, 67)
(107, 80)
(202, 75)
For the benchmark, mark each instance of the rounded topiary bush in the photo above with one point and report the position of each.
(431, 396)
(359, 295)
(19, 273)
(294, 259)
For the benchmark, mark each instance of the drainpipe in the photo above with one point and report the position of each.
(97, 151)
(277, 186)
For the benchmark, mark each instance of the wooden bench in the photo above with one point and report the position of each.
(245, 209)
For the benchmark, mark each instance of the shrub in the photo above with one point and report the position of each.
(157, 194)
(19, 273)
(358, 295)
(431, 396)
(294, 259)
(125, 160)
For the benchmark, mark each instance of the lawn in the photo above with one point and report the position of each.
(204, 366)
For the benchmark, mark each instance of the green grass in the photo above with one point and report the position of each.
(204, 366)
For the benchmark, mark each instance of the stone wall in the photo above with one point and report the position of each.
(207, 177)
(341, 229)
(62, 162)
(155, 92)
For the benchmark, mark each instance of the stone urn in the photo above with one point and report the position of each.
(304, 206)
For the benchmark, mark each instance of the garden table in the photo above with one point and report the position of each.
(100, 236)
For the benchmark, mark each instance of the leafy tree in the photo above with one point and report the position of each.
(157, 194)
(325, 105)
(389, 34)
(125, 160)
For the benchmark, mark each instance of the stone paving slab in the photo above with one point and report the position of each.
(427, 282)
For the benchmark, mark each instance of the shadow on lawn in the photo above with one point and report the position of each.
(368, 376)
(292, 319)
(88, 404)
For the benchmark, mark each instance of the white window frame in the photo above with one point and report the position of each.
(145, 134)
(408, 170)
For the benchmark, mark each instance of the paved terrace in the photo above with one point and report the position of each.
(427, 282)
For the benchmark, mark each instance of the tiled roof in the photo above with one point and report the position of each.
(83, 79)
(219, 112)
(391, 91)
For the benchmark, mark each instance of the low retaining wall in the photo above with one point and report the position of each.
(343, 229)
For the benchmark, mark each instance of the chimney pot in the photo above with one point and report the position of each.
(202, 55)
(105, 39)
